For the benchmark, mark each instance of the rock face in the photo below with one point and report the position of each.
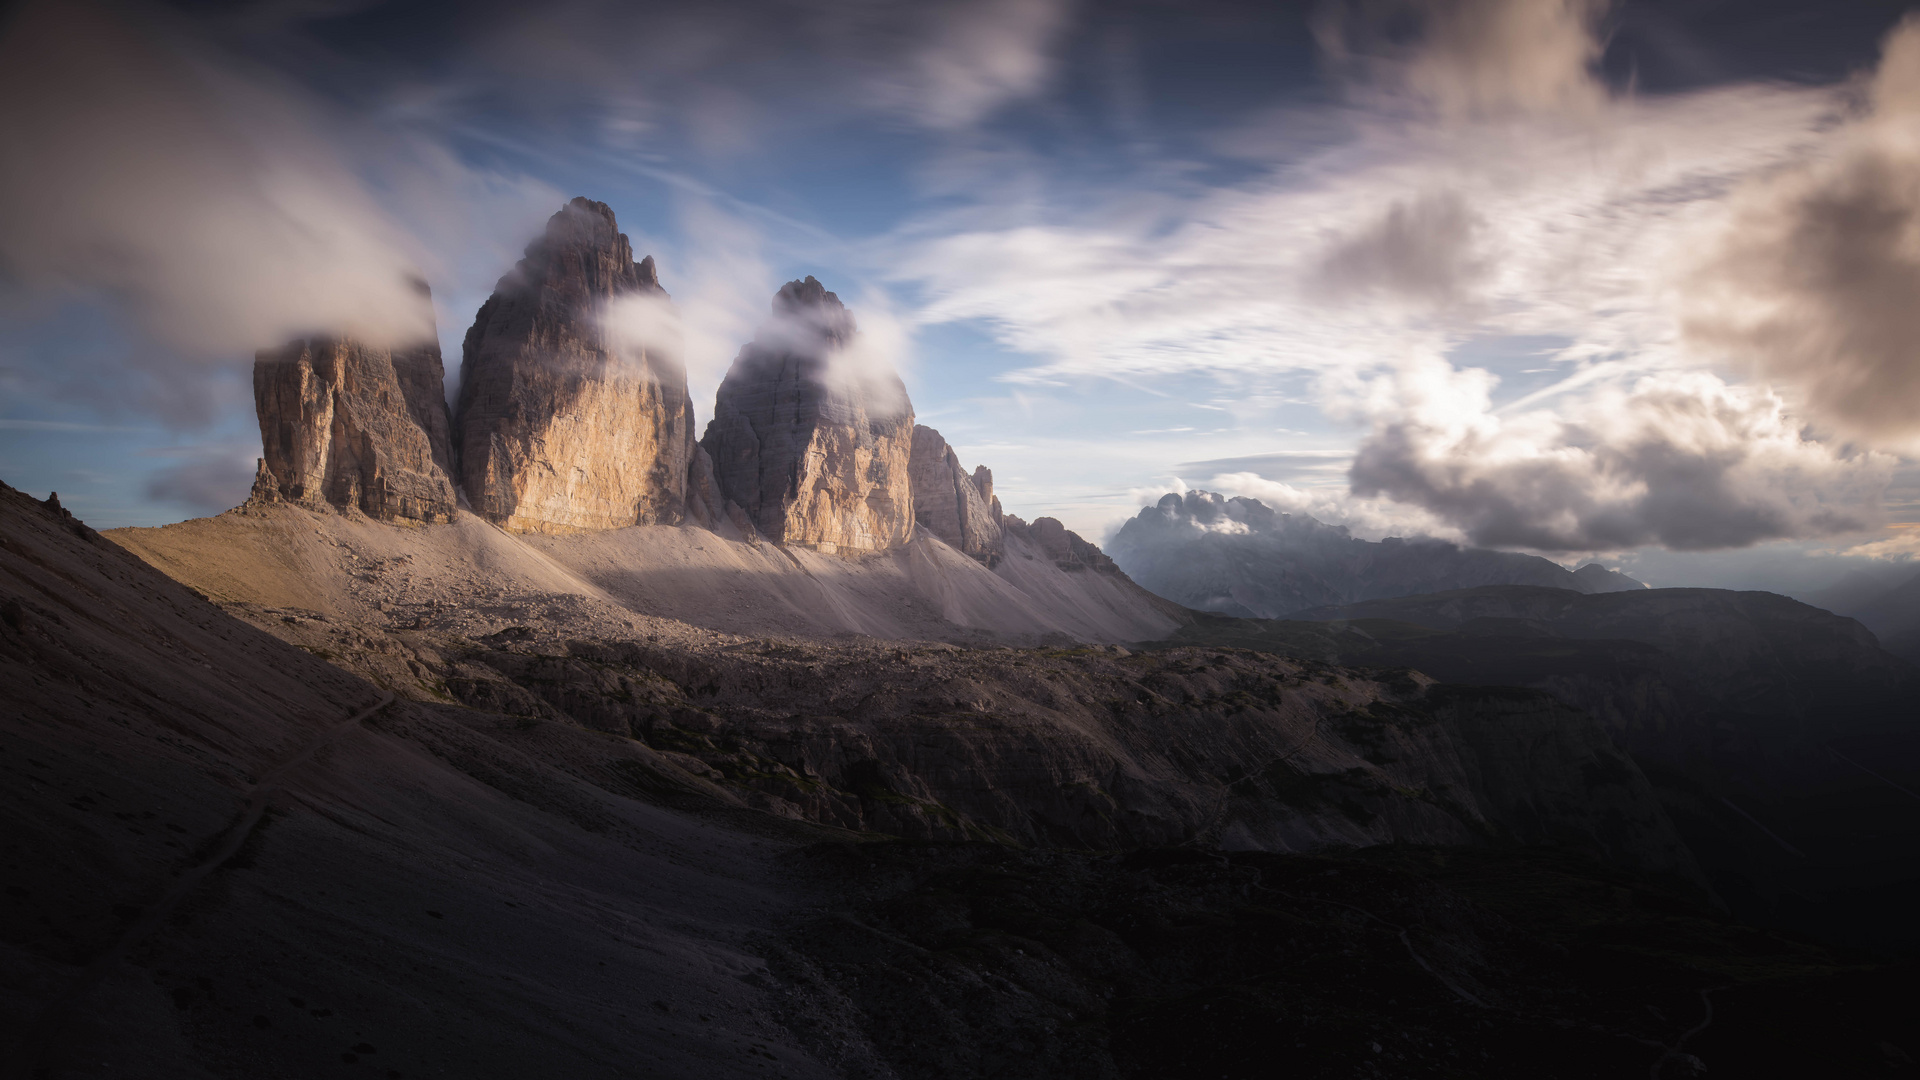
(957, 508)
(573, 410)
(1240, 557)
(813, 453)
(1068, 549)
(347, 425)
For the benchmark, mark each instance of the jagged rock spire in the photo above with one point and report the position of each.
(814, 451)
(571, 417)
(345, 424)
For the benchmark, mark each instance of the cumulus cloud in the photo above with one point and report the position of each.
(1469, 59)
(1813, 280)
(1680, 459)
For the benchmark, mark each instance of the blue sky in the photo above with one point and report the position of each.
(1622, 279)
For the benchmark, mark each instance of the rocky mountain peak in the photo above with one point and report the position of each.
(574, 412)
(349, 425)
(813, 455)
(1239, 556)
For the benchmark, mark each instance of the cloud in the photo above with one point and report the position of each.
(727, 75)
(1902, 546)
(1681, 459)
(207, 481)
(975, 57)
(1468, 59)
(204, 209)
(1345, 258)
(1420, 251)
(209, 208)
(1812, 281)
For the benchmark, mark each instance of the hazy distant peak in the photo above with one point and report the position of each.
(1239, 556)
(1599, 579)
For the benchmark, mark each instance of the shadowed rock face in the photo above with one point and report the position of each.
(352, 426)
(957, 508)
(566, 423)
(813, 454)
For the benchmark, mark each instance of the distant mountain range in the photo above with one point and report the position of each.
(1238, 556)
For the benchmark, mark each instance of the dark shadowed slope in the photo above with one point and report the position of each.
(1752, 713)
(437, 892)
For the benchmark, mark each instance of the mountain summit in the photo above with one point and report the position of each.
(571, 417)
(812, 444)
(350, 425)
(1239, 556)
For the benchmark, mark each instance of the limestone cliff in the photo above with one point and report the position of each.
(348, 425)
(949, 503)
(573, 410)
(814, 452)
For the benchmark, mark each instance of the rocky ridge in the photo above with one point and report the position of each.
(344, 425)
(1239, 556)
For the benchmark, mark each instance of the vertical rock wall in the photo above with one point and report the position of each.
(573, 411)
(352, 426)
(814, 453)
(949, 503)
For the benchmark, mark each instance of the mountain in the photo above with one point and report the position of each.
(573, 411)
(1779, 736)
(816, 454)
(1240, 557)
(1886, 603)
(347, 425)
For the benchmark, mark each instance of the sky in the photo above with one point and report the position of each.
(1630, 280)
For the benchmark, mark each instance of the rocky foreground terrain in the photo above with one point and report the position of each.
(672, 851)
(1779, 736)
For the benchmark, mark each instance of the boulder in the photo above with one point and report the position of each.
(573, 410)
(813, 447)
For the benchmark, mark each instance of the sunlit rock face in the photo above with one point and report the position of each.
(573, 411)
(952, 505)
(813, 446)
(347, 425)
